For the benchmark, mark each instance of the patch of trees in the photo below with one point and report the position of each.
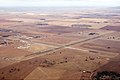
(3, 78)
(113, 38)
(108, 47)
(47, 63)
(42, 24)
(93, 34)
(93, 51)
(81, 25)
(106, 75)
(89, 58)
(42, 19)
(13, 70)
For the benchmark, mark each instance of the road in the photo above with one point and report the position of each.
(67, 45)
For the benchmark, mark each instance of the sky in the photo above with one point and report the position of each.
(59, 3)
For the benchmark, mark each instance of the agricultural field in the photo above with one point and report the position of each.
(61, 45)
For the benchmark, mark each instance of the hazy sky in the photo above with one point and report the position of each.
(86, 3)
